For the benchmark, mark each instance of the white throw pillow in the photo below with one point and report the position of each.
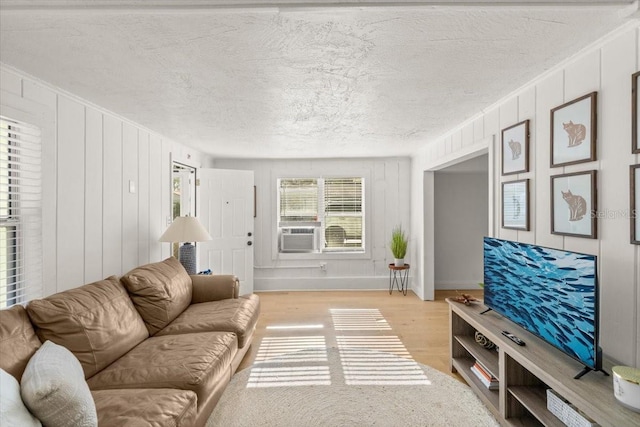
(54, 388)
(12, 409)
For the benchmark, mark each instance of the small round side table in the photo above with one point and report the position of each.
(399, 277)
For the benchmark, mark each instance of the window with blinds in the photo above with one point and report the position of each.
(298, 200)
(335, 204)
(20, 213)
(343, 213)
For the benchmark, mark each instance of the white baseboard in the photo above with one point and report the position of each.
(321, 284)
(459, 285)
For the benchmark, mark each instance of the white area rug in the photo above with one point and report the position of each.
(347, 387)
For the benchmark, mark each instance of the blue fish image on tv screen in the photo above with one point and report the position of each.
(551, 293)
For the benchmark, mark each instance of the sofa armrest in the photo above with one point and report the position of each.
(214, 287)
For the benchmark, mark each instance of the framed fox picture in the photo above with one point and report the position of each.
(574, 131)
(573, 204)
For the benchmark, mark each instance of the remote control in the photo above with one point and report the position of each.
(513, 338)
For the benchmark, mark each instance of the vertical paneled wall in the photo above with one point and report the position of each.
(606, 67)
(112, 191)
(93, 196)
(106, 187)
(70, 178)
(387, 194)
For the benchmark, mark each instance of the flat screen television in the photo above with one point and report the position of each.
(549, 292)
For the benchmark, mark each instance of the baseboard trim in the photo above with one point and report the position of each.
(321, 284)
(452, 285)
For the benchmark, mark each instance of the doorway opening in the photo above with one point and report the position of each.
(461, 220)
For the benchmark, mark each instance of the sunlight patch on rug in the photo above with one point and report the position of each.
(366, 367)
(277, 349)
(387, 343)
(296, 361)
(289, 376)
(294, 327)
(301, 361)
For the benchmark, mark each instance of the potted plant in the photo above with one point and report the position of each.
(398, 245)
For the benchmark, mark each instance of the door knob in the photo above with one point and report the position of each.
(249, 243)
(249, 234)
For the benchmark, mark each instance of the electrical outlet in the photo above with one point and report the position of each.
(323, 266)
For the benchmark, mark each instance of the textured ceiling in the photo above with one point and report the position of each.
(298, 82)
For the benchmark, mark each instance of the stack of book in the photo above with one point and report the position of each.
(485, 376)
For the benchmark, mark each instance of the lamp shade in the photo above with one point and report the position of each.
(185, 229)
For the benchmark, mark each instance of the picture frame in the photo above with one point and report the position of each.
(574, 204)
(635, 113)
(515, 148)
(634, 186)
(574, 131)
(515, 205)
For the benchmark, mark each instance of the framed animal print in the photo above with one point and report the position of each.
(574, 131)
(515, 204)
(635, 113)
(573, 204)
(515, 148)
(634, 175)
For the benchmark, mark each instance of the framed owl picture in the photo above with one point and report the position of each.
(574, 204)
(515, 148)
(574, 131)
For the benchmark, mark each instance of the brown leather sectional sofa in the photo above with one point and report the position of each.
(157, 346)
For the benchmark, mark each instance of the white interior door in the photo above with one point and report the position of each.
(225, 208)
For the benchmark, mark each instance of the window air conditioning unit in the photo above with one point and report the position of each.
(298, 239)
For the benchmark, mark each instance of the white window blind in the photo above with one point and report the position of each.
(336, 204)
(20, 213)
(298, 200)
(343, 213)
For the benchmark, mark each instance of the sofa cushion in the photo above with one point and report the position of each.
(237, 315)
(54, 389)
(18, 340)
(196, 362)
(145, 407)
(97, 322)
(160, 292)
(13, 412)
(213, 288)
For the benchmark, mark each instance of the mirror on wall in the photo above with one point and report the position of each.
(183, 194)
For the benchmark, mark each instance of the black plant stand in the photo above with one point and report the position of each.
(399, 277)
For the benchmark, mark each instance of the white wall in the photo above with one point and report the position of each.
(605, 67)
(461, 217)
(387, 194)
(93, 227)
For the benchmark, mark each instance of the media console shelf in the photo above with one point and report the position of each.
(526, 372)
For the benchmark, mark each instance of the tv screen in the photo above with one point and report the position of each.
(549, 292)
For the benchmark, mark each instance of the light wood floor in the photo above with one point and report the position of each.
(423, 326)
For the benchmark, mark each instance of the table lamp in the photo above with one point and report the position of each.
(186, 229)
